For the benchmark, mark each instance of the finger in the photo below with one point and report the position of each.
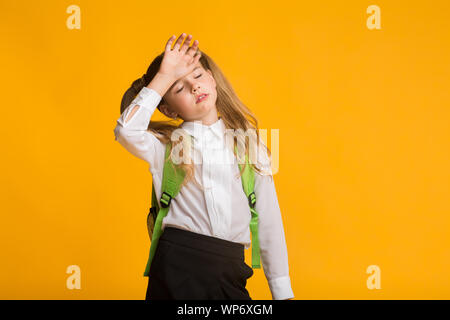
(185, 45)
(196, 58)
(193, 49)
(179, 41)
(169, 43)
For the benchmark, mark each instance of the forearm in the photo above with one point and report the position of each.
(161, 83)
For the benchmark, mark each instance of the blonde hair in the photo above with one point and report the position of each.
(232, 111)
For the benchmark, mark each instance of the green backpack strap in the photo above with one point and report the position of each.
(172, 179)
(248, 183)
(152, 215)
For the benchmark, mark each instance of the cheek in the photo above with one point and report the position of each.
(212, 86)
(186, 103)
(208, 86)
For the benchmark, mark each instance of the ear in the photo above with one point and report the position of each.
(165, 109)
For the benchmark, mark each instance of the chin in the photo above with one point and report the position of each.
(204, 107)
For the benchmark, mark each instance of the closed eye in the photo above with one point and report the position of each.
(194, 78)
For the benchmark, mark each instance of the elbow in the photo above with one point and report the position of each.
(130, 139)
(117, 132)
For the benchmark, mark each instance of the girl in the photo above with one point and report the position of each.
(200, 254)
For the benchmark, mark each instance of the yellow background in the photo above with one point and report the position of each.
(363, 117)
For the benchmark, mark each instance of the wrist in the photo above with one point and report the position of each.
(165, 76)
(161, 83)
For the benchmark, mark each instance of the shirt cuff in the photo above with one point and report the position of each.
(147, 98)
(281, 288)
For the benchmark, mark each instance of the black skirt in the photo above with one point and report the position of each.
(192, 266)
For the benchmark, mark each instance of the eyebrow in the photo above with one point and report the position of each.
(173, 85)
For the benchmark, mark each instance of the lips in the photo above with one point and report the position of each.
(201, 97)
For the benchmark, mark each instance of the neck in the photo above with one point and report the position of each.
(209, 118)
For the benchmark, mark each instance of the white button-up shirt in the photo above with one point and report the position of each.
(218, 206)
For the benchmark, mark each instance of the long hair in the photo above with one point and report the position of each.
(232, 111)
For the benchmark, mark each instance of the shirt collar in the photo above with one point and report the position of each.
(198, 130)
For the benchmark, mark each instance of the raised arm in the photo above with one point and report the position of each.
(160, 84)
(131, 129)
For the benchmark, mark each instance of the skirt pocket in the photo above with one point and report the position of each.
(243, 273)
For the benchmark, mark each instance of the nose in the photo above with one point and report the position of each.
(195, 88)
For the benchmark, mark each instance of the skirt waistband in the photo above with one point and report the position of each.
(203, 242)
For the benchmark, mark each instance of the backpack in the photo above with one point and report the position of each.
(171, 183)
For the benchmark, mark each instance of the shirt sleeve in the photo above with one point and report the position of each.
(131, 130)
(273, 249)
